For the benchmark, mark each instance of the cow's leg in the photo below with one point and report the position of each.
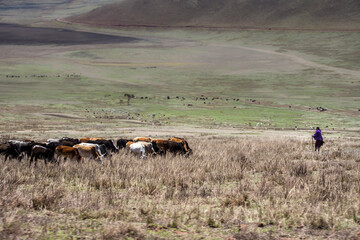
(143, 154)
(31, 160)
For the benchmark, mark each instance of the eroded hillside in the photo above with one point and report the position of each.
(299, 14)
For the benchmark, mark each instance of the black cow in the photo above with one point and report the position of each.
(74, 141)
(53, 145)
(186, 145)
(10, 150)
(103, 150)
(24, 147)
(172, 147)
(41, 152)
(121, 143)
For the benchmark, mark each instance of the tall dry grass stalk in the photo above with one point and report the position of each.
(227, 183)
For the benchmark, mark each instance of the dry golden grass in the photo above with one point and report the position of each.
(239, 188)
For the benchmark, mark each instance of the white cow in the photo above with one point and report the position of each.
(142, 149)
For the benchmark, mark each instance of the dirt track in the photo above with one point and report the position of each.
(307, 62)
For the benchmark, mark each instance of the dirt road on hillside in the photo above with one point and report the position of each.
(296, 59)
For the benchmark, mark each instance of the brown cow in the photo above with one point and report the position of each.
(128, 144)
(177, 139)
(67, 152)
(82, 140)
(142, 139)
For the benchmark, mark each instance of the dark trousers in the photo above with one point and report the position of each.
(318, 144)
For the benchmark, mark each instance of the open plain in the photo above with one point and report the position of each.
(247, 101)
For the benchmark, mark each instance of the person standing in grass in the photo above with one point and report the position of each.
(318, 139)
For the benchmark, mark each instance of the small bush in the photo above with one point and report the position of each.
(240, 199)
(47, 199)
(122, 231)
(299, 169)
(319, 222)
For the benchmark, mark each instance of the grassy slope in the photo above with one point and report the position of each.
(184, 71)
(181, 71)
(321, 14)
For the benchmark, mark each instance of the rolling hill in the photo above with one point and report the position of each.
(283, 14)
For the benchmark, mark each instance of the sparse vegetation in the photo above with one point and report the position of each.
(230, 188)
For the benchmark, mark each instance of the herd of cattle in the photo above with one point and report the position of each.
(90, 148)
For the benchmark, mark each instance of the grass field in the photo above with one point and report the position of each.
(250, 187)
